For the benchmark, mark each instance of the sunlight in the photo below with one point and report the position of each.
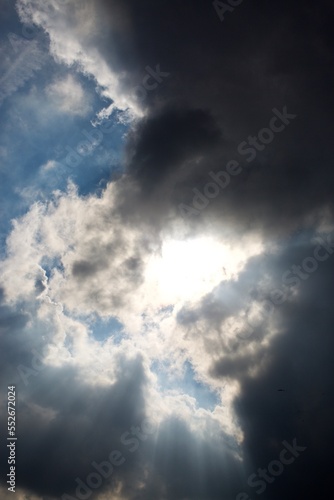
(190, 268)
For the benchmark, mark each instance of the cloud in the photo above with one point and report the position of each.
(68, 96)
(237, 80)
(190, 133)
(74, 33)
(49, 165)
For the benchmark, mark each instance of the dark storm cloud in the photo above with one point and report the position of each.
(86, 428)
(162, 143)
(299, 362)
(262, 56)
(13, 325)
(63, 424)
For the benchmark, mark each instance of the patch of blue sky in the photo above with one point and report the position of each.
(50, 265)
(94, 155)
(10, 22)
(38, 139)
(32, 137)
(101, 329)
(186, 384)
(167, 310)
(46, 126)
(302, 236)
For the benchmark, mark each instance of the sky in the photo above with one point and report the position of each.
(166, 249)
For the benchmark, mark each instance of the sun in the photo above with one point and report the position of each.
(187, 269)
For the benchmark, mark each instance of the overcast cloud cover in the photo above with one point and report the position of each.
(167, 248)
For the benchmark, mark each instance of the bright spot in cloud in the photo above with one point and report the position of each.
(187, 269)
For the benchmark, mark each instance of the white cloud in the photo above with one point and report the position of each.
(118, 271)
(72, 28)
(68, 96)
(49, 165)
